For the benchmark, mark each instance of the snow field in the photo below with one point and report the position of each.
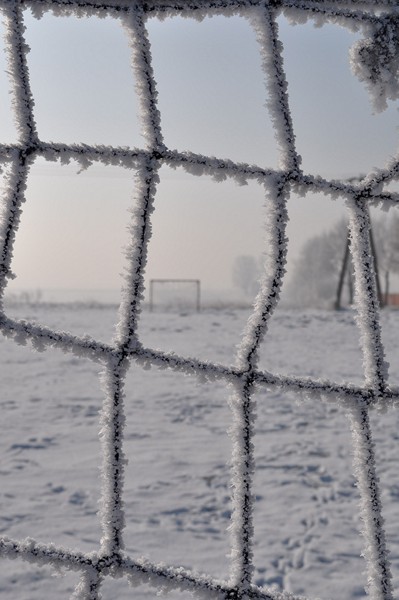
(177, 482)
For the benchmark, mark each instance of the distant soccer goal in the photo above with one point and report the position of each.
(175, 294)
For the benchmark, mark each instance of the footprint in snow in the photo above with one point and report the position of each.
(78, 498)
(33, 444)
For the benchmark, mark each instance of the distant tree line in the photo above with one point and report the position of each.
(246, 273)
(318, 267)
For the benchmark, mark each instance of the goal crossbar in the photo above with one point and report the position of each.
(195, 282)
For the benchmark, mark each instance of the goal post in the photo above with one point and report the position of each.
(175, 293)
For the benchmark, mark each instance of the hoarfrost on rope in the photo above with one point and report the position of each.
(375, 61)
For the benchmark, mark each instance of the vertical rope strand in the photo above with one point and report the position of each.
(271, 50)
(243, 407)
(13, 198)
(89, 586)
(111, 434)
(144, 78)
(23, 103)
(242, 403)
(136, 253)
(272, 276)
(17, 50)
(146, 178)
(376, 373)
(375, 552)
(366, 297)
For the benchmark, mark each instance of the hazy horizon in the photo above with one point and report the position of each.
(212, 97)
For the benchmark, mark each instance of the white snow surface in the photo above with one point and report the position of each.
(177, 489)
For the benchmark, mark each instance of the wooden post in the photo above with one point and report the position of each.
(342, 274)
(377, 273)
(345, 266)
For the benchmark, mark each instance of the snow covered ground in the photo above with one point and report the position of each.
(177, 489)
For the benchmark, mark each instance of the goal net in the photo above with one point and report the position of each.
(375, 61)
(175, 295)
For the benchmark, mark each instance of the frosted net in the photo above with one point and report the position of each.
(375, 61)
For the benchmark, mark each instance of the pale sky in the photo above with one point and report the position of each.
(211, 97)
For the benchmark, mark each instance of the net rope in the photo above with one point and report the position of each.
(375, 60)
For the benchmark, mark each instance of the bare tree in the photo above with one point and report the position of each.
(387, 245)
(246, 274)
(316, 271)
(319, 269)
